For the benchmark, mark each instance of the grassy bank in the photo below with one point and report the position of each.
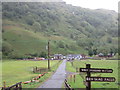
(107, 64)
(22, 40)
(19, 70)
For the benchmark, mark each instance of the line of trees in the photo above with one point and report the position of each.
(104, 51)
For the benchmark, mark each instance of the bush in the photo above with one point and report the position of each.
(90, 53)
(29, 20)
(43, 54)
(37, 26)
(61, 44)
(6, 48)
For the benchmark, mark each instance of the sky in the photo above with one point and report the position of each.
(95, 4)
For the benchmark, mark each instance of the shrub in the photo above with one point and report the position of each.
(6, 48)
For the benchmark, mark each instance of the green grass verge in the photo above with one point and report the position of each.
(19, 70)
(107, 64)
(69, 67)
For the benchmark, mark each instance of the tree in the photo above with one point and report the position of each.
(37, 26)
(71, 36)
(29, 20)
(85, 42)
(111, 52)
(90, 53)
(119, 51)
(34, 55)
(6, 48)
(105, 52)
(61, 44)
(109, 40)
(95, 51)
(43, 54)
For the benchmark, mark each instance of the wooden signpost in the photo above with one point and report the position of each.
(101, 79)
(96, 70)
(89, 70)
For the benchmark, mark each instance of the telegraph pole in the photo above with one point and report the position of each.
(48, 55)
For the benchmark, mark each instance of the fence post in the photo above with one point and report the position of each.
(74, 78)
(71, 78)
(4, 83)
(20, 86)
(33, 70)
(88, 86)
(36, 69)
(16, 86)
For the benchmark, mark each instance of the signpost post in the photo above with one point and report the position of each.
(89, 70)
(88, 86)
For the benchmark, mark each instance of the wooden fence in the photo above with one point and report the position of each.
(67, 86)
(43, 70)
(16, 86)
(39, 70)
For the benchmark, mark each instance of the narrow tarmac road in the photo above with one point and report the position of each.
(57, 79)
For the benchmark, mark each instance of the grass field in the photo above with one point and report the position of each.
(107, 64)
(20, 71)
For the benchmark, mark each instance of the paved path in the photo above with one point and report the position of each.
(57, 79)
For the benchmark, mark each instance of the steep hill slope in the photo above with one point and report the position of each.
(28, 26)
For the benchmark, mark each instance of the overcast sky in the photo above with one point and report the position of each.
(95, 4)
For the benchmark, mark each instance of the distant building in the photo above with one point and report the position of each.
(108, 55)
(101, 55)
(83, 56)
(73, 56)
(58, 56)
(38, 58)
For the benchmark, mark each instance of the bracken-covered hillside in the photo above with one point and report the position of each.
(28, 26)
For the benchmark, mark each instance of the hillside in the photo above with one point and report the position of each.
(28, 26)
